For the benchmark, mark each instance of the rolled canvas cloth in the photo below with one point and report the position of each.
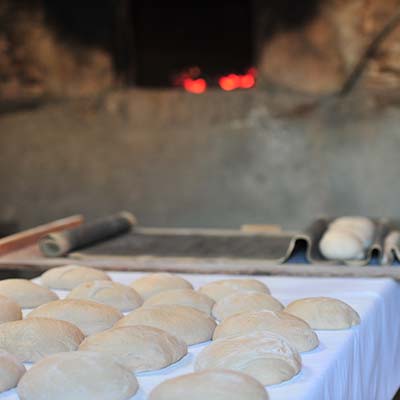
(61, 243)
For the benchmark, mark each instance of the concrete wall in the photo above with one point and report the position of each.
(220, 159)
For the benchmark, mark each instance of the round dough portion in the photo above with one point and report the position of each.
(88, 316)
(26, 293)
(186, 323)
(32, 339)
(122, 297)
(361, 227)
(296, 331)
(216, 384)
(70, 276)
(182, 297)
(240, 302)
(139, 348)
(79, 375)
(341, 245)
(11, 371)
(151, 284)
(324, 313)
(219, 289)
(9, 310)
(267, 357)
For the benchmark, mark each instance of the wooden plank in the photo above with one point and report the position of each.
(239, 266)
(28, 237)
(251, 228)
(207, 266)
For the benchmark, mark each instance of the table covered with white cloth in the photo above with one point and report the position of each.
(362, 363)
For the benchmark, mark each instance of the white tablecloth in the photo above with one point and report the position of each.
(362, 363)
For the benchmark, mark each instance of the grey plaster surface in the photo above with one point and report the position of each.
(214, 160)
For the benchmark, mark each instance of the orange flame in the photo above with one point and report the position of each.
(196, 86)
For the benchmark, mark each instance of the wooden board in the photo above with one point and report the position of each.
(31, 236)
(209, 266)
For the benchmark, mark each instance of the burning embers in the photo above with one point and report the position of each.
(193, 81)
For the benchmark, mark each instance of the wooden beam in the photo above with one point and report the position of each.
(25, 238)
(206, 266)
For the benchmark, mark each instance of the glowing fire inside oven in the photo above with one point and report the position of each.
(194, 84)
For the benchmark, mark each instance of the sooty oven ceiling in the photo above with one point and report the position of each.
(155, 41)
(170, 37)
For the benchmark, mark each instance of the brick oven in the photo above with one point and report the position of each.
(199, 115)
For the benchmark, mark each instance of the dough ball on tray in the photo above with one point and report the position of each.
(79, 375)
(88, 316)
(215, 384)
(265, 356)
(324, 313)
(296, 331)
(26, 293)
(139, 348)
(224, 287)
(151, 284)
(186, 323)
(11, 371)
(68, 277)
(34, 338)
(240, 302)
(182, 297)
(122, 297)
(9, 310)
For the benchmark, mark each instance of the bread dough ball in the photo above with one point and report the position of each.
(9, 310)
(347, 238)
(191, 325)
(296, 331)
(11, 371)
(341, 245)
(79, 375)
(240, 302)
(219, 289)
(183, 297)
(26, 293)
(88, 316)
(122, 297)
(70, 276)
(324, 313)
(265, 356)
(139, 348)
(151, 284)
(216, 384)
(361, 227)
(32, 339)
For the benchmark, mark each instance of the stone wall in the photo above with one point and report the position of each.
(319, 56)
(36, 61)
(44, 55)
